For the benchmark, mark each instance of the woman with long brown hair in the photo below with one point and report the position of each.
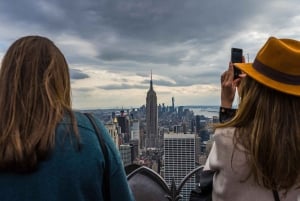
(48, 151)
(256, 154)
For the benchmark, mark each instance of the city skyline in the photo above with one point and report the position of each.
(112, 46)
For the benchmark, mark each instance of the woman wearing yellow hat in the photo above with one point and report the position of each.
(256, 154)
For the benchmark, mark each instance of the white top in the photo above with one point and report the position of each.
(228, 184)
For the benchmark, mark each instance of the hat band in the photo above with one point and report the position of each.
(276, 75)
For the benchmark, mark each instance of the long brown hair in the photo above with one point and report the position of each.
(34, 96)
(268, 126)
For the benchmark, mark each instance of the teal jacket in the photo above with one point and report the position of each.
(70, 174)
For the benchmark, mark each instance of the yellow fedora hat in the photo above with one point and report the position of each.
(277, 65)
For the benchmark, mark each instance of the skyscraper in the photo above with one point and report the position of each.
(123, 121)
(179, 152)
(173, 104)
(151, 140)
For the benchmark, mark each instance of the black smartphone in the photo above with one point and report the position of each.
(236, 57)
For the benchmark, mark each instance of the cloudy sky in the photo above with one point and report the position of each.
(112, 45)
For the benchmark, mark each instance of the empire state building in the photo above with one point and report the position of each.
(151, 118)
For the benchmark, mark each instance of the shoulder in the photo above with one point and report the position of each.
(85, 127)
(221, 154)
(84, 123)
(81, 120)
(223, 142)
(224, 136)
(228, 153)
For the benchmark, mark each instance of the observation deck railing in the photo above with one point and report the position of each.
(146, 184)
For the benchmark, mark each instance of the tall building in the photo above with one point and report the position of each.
(173, 104)
(135, 129)
(151, 140)
(124, 123)
(126, 154)
(179, 150)
(114, 131)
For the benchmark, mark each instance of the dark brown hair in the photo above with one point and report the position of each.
(34, 96)
(268, 126)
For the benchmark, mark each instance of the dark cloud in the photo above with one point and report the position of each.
(166, 21)
(158, 22)
(187, 79)
(198, 78)
(122, 86)
(143, 74)
(159, 82)
(186, 41)
(83, 90)
(78, 74)
(171, 58)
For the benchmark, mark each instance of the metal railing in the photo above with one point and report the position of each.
(146, 184)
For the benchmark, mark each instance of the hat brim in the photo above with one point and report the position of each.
(279, 86)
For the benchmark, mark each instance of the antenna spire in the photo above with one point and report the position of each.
(151, 85)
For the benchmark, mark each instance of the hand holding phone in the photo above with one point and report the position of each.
(236, 57)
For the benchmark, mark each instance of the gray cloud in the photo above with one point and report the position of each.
(83, 90)
(186, 41)
(159, 82)
(122, 86)
(171, 58)
(143, 75)
(165, 21)
(78, 74)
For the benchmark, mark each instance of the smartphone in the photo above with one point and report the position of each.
(236, 57)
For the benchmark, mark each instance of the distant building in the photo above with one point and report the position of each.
(135, 129)
(134, 150)
(198, 152)
(177, 129)
(126, 154)
(173, 104)
(114, 131)
(200, 123)
(179, 150)
(180, 111)
(123, 122)
(151, 140)
(215, 119)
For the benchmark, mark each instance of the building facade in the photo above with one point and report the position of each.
(179, 152)
(114, 131)
(126, 154)
(135, 129)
